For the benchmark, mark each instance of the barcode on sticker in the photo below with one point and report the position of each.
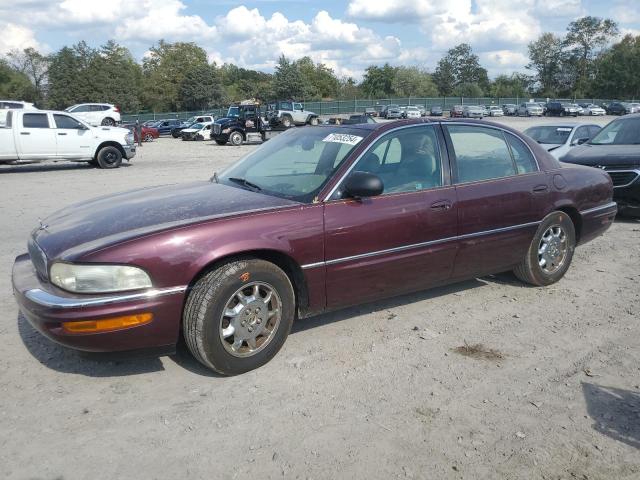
(342, 138)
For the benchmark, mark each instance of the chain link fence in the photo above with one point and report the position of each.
(357, 105)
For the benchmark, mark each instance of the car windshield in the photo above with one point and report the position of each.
(233, 112)
(197, 126)
(295, 164)
(549, 134)
(619, 132)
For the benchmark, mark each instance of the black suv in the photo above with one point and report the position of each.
(618, 108)
(560, 109)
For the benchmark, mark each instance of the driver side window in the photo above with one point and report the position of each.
(406, 160)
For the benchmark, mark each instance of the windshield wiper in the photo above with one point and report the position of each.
(246, 183)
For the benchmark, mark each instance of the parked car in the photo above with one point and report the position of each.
(46, 135)
(495, 111)
(593, 109)
(530, 109)
(96, 113)
(164, 127)
(176, 131)
(561, 109)
(357, 119)
(149, 134)
(422, 109)
(391, 111)
(14, 105)
(510, 109)
(579, 109)
(289, 113)
(473, 111)
(616, 150)
(233, 261)
(635, 107)
(245, 123)
(198, 131)
(559, 139)
(457, 111)
(618, 108)
(411, 111)
(372, 112)
(436, 111)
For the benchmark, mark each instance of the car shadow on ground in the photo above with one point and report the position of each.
(66, 360)
(50, 167)
(614, 411)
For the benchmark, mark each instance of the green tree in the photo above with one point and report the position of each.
(460, 66)
(378, 81)
(546, 60)
(241, 83)
(198, 88)
(468, 90)
(348, 88)
(164, 70)
(68, 82)
(585, 39)
(15, 85)
(514, 85)
(413, 82)
(617, 70)
(287, 80)
(319, 80)
(34, 65)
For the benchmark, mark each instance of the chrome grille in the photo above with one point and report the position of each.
(623, 178)
(216, 129)
(38, 258)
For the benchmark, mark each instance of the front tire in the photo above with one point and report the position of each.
(551, 251)
(238, 316)
(287, 121)
(109, 157)
(236, 139)
(148, 138)
(313, 121)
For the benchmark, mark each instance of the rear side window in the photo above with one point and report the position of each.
(81, 108)
(525, 162)
(481, 153)
(35, 120)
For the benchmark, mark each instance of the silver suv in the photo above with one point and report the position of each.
(530, 109)
(290, 113)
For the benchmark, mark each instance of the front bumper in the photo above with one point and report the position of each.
(47, 307)
(628, 198)
(129, 151)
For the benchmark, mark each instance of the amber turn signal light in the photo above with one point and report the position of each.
(107, 324)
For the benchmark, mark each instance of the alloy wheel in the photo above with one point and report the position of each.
(552, 249)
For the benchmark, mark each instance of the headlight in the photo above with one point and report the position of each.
(226, 130)
(98, 278)
(128, 138)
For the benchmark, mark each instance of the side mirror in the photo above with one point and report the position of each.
(580, 141)
(363, 184)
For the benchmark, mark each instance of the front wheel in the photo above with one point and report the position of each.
(313, 121)
(109, 157)
(286, 121)
(550, 253)
(238, 316)
(148, 138)
(236, 138)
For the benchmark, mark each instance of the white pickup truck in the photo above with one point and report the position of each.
(31, 136)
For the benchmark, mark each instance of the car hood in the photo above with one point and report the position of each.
(603, 155)
(110, 131)
(225, 120)
(112, 219)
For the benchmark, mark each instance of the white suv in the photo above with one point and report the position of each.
(96, 113)
(14, 104)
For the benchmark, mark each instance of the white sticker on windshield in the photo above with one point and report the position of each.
(342, 138)
(563, 129)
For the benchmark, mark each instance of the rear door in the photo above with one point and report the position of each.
(72, 140)
(402, 240)
(501, 197)
(35, 136)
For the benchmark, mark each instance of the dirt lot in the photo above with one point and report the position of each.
(480, 380)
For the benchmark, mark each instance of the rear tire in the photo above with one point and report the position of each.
(551, 251)
(221, 334)
(109, 157)
(108, 122)
(148, 138)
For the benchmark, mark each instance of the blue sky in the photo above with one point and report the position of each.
(347, 35)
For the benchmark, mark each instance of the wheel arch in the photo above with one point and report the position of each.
(282, 260)
(110, 143)
(575, 217)
(237, 129)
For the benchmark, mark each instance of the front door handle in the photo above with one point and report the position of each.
(441, 205)
(540, 188)
(25, 133)
(61, 133)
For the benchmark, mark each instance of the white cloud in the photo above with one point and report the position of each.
(17, 37)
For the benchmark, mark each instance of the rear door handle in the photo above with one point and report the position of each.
(540, 188)
(441, 205)
(25, 133)
(61, 133)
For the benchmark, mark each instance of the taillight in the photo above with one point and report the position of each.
(116, 109)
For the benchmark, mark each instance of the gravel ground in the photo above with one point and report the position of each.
(394, 389)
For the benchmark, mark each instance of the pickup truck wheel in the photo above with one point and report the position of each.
(313, 121)
(286, 121)
(236, 138)
(221, 142)
(109, 157)
(108, 122)
(550, 252)
(148, 138)
(238, 316)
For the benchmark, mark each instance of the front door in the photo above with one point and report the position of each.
(35, 137)
(402, 240)
(501, 198)
(73, 140)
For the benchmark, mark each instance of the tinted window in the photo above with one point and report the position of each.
(285, 106)
(581, 132)
(481, 153)
(549, 135)
(11, 105)
(81, 108)
(35, 120)
(95, 108)
(593, 130)
(407, 160)
(525, 162)
(64, 121)
(619, 132)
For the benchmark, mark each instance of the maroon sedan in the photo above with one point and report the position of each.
(316, 219)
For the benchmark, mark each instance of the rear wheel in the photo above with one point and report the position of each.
(109, 157)
(238, 316)
(550, 253)
(148, 138)
(108, 122)
(236, 138)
